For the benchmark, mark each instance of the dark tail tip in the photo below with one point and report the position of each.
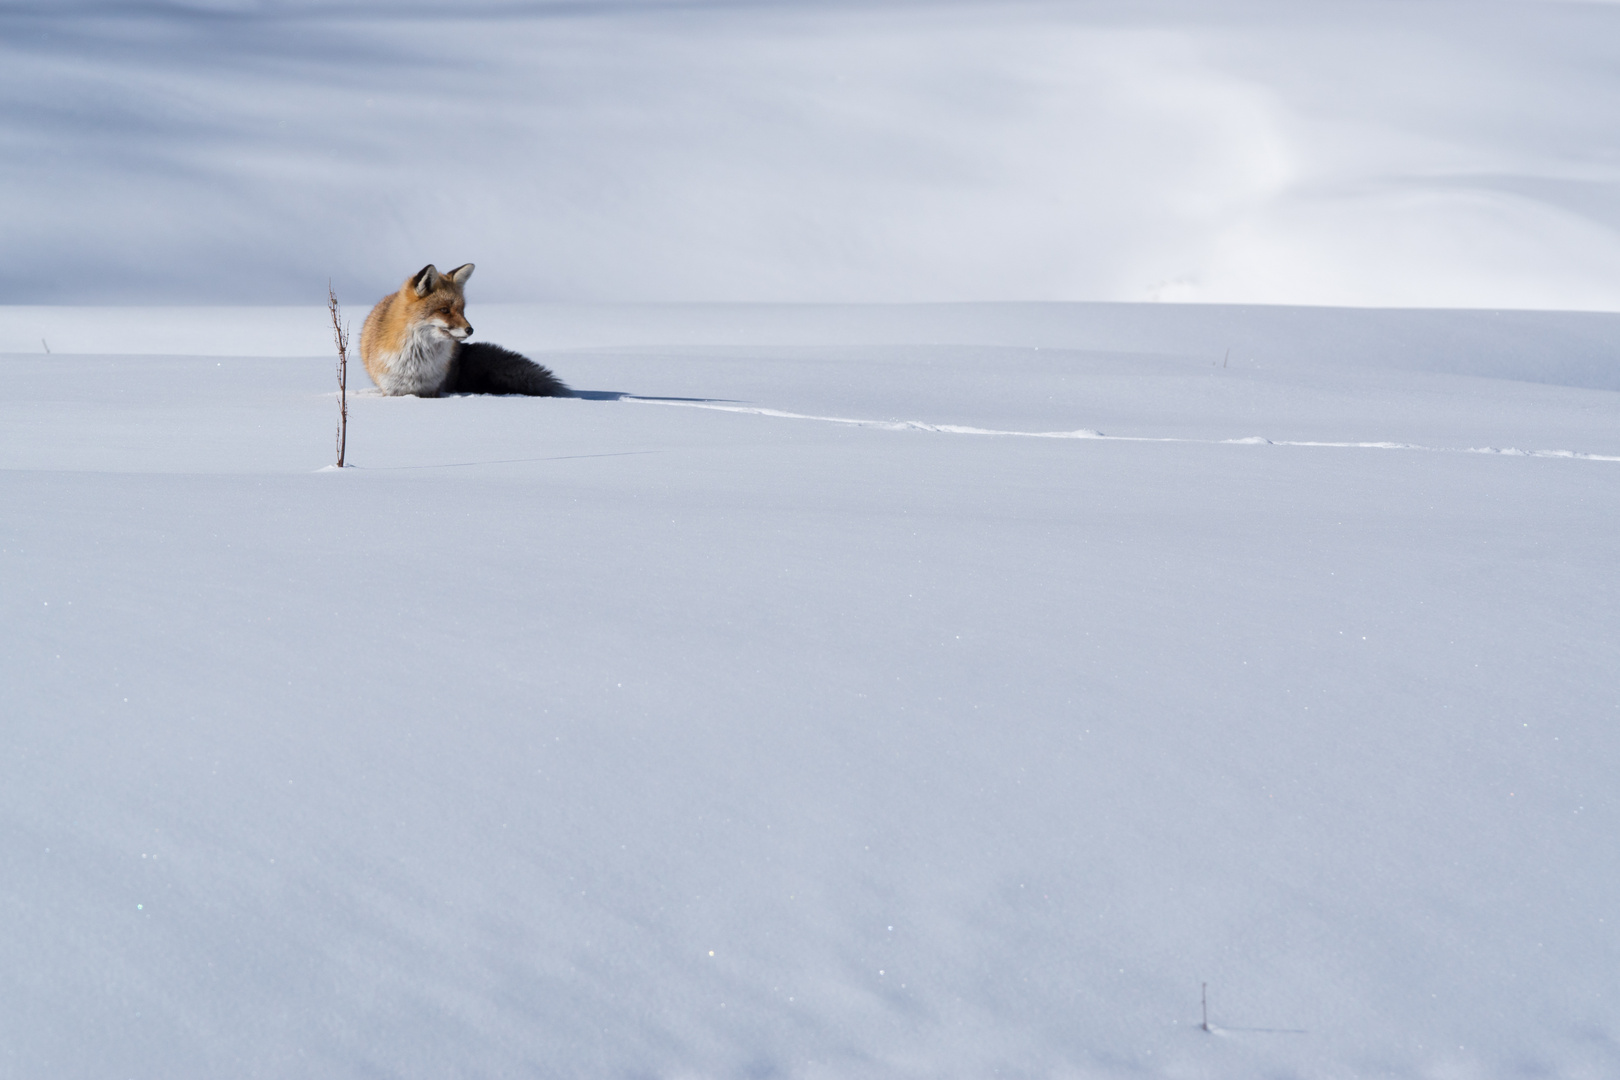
(482, 368)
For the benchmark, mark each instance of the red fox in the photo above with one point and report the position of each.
(415, 342)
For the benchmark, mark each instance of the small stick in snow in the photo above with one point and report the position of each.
(1206, 1006)
(47, 345)
(340, 333)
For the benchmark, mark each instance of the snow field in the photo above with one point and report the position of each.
(609, 737)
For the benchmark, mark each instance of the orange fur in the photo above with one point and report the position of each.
(409, 340)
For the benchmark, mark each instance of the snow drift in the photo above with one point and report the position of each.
(1454, 153)
(631, 736)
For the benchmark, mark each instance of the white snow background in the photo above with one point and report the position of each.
(1368, 152)
(832, 690)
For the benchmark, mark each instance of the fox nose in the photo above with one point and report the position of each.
(468, 331)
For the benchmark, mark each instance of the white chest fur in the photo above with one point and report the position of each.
(422, 366)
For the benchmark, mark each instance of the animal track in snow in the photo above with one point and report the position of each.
(1089, 433)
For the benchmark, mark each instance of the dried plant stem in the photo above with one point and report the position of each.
(340, 333)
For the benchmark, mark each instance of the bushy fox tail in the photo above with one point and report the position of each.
(481, 368)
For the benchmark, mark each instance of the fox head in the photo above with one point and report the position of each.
(437, 299)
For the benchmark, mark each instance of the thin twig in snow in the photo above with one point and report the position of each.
(340, 334)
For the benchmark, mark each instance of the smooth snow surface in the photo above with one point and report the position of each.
(659, 733)
(1453, 153)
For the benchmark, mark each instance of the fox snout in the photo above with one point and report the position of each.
(452, 326)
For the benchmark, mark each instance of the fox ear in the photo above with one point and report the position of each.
(461, 273)
(425, 280)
